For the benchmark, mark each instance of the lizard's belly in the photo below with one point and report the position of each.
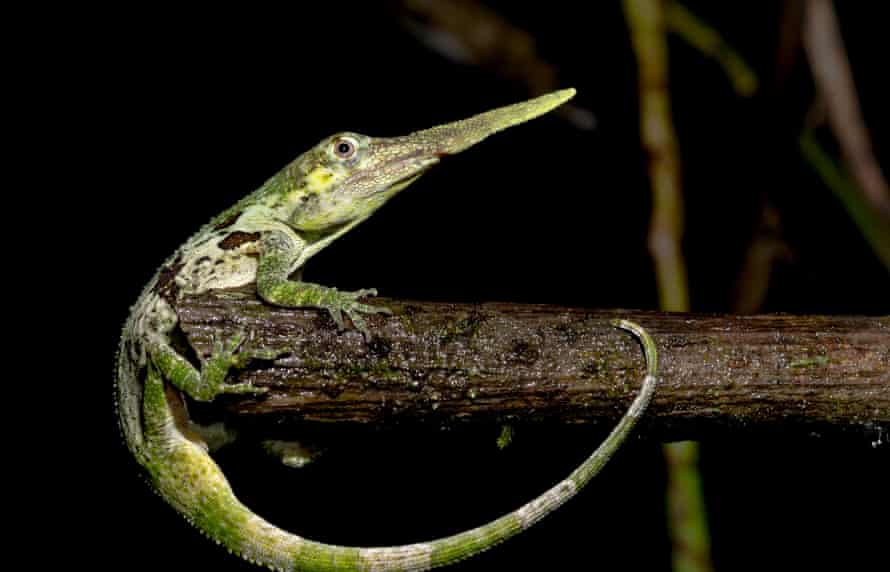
(210, 268)
(151, 320)
(208, 262)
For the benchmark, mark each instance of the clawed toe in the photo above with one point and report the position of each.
(347, 303)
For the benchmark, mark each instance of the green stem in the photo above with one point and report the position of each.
(709, 42)
(874, 227)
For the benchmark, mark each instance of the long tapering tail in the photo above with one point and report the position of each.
(190, 480)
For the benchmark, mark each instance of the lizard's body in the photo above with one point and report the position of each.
(266, 238)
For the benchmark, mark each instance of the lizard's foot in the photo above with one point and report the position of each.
(293, 454)
(338, 303)
(228, 354)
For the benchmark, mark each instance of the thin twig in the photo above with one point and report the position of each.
(469, 32)
(871, 224)
(827, 56)
(709, 42)
(766, 251)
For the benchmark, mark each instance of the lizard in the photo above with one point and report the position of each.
(266, 238)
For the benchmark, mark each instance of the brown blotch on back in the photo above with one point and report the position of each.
(166, 284)
(237, 238)
(228, 221)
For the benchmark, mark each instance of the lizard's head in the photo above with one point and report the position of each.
(348, 176)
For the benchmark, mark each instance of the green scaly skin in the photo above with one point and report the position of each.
(265, 238)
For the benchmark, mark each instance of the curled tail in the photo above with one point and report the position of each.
(190, 480)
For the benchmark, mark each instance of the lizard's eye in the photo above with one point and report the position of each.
(344, 147)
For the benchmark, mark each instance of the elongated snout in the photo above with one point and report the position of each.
(454, 137)
(393, 163)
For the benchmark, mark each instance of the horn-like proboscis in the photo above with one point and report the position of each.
(456, 136)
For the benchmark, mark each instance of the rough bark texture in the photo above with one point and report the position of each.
(445, 363)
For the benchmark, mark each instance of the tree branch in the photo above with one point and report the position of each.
(441, 362)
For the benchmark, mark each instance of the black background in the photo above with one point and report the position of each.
(196, 108)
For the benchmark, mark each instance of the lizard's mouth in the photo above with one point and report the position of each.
(408, 179)
(413, 166)
(395, 174)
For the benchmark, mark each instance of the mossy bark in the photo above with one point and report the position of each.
(448, 363)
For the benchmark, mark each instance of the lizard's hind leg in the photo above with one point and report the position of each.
(206, 384)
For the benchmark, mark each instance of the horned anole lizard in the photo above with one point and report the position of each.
(264, 239)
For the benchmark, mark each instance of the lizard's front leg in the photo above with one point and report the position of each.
(278, 256)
